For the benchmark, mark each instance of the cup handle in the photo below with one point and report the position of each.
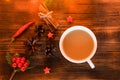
(91, 64)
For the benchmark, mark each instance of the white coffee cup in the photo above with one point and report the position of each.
(87, 59)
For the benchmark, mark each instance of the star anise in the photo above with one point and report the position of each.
(31, 45)
(39, 30)
(49, 49)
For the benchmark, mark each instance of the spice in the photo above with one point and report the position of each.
(48, 50)
(48, 21)
(32, 46)
(45, 14)
(21, 30)
(39, 30)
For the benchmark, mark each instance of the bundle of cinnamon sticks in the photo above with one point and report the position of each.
(46, 15)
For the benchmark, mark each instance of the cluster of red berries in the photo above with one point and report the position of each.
(20, 63)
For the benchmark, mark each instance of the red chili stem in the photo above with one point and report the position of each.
(22, 29)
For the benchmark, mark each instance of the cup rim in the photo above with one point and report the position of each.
(78, 28)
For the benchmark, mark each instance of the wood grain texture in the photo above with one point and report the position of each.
(101, 16)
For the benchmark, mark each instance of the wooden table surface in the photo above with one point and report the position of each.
(101, 16)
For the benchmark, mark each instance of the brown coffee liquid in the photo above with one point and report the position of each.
(78, 45)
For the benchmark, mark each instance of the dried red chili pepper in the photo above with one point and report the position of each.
(21, 30)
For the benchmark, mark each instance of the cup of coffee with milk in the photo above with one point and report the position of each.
(78, 44)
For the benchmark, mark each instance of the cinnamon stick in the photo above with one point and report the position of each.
(46, 15)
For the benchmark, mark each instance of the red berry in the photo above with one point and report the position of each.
(13, 59)
(23, 69)
(17, 61)
(22, 62)
(23, 59)
(20, 65)
(18, 58)
(14, 65)
(26, 64)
